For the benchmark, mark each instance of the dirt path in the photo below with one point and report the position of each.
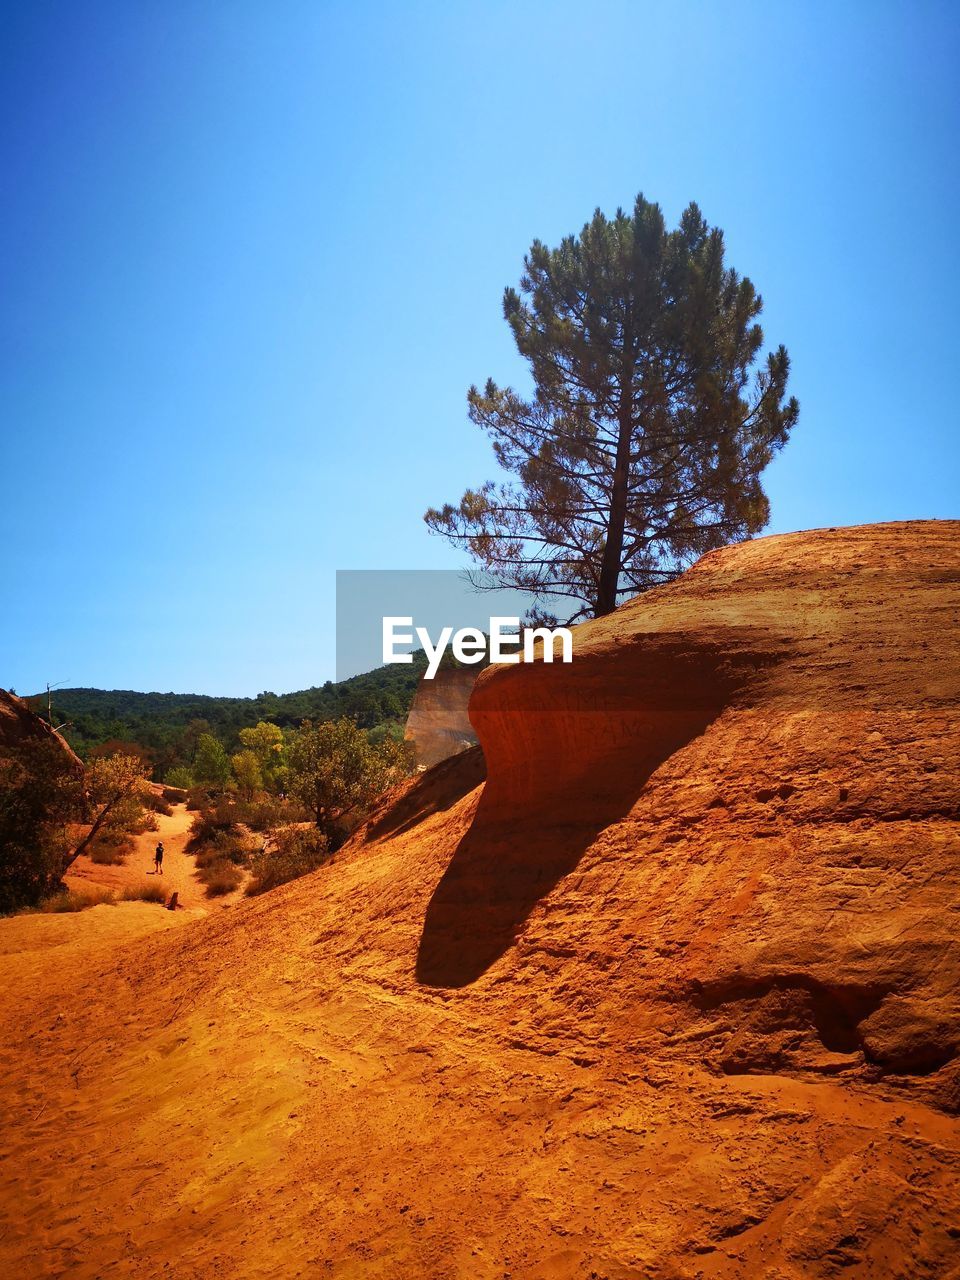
(178, 866)
(41, 947)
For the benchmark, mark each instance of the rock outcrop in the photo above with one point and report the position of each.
(438, 724)
(769, 751)
(18, 724)
(672, 994)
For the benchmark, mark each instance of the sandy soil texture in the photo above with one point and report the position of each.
(672, 994)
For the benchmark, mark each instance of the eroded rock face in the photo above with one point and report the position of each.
(911, 1033)
(18, 724)
(438, 724)
(743, 791)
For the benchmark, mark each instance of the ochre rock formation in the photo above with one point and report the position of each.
(672, 994)
(18, 724)
(438, 724)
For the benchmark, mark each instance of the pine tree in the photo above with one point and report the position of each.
(643, 444)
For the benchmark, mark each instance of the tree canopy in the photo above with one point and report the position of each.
(649, 426)
(335, 769)
(210, 764)
(168, 726)
(50, 814)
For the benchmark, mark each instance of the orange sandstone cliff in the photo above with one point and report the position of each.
(20, 725)
(439, 724)
(673, 993)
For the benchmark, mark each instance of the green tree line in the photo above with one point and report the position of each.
(167, 727)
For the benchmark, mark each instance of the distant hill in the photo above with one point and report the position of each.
(165, 724)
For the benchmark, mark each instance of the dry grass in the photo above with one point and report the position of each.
(70, 900)
(157, 802)
(144, 893)
(111, 850)
(220, 878)
(79, 900)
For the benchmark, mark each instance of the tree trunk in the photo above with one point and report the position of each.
(613, 546)
(87, 840)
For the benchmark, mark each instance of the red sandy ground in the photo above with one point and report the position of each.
(673, 994)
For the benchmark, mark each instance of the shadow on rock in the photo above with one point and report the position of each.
(493, 882)
(501, 869)
(568, 751)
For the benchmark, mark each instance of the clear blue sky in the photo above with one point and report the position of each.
(252, 257)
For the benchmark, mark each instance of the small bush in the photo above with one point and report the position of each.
(146, 822)
(224, 846)
(110, 848)
(263, 813)
(70, 900)
(234, 846)
(221, 878)
(144, 893)
(197, 798)
(180, 777)
(266, 812)
(158, 803)
(204, 827)
(211, 818)
(174, 795)
(295, 852)
(233, 843)
(221, 845)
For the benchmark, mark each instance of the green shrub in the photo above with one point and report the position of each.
(180, 777)
(295, 852)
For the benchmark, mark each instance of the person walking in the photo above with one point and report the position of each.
(158, 859)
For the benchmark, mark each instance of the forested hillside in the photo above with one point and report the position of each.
(166, 726)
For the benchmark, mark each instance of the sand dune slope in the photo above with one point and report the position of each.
(674, 993)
